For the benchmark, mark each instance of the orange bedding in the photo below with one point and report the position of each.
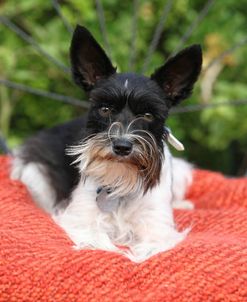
(38, 264)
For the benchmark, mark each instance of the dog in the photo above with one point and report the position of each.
(108, 179)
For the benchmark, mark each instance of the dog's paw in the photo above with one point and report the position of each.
(183, 204)
(95, 241)
(142, 251)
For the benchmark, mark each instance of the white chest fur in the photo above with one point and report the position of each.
(145, 225)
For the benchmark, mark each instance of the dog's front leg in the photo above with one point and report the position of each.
(83, 221)
(153, 222)
(155, 229)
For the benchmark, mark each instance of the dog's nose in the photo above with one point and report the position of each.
(122, 147)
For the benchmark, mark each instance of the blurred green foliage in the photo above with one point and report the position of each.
(214, 138)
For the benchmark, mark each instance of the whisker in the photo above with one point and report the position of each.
(152, 168)
(111, 127)
(143, 142)
(133, 121)
(146, 132)
(83, 147)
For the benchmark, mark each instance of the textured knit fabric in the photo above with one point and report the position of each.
(37, 262)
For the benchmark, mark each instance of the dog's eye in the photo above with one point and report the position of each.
(104, 111)
(148, 116)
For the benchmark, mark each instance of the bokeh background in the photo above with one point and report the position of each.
(139, 35)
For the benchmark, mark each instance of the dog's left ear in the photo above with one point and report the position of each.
(89, 63)
(178, 75)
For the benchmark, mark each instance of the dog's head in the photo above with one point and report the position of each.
(125, 125)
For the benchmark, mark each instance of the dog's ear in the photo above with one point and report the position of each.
(178, 75)
(89, 62)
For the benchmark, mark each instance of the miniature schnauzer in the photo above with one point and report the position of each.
(108, 178)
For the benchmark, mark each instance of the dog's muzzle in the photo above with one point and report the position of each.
(122, 146)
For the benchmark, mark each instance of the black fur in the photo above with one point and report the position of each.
(178, 75)
(93, 72)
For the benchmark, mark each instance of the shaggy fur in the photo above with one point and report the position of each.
(108, 178)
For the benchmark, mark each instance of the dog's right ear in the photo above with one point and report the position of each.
(89, 62)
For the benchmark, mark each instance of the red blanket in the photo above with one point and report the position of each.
(38, 264)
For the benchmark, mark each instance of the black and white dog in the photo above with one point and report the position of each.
(109, 179)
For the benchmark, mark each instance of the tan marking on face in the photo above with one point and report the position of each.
(114, 174)
(125, 174)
